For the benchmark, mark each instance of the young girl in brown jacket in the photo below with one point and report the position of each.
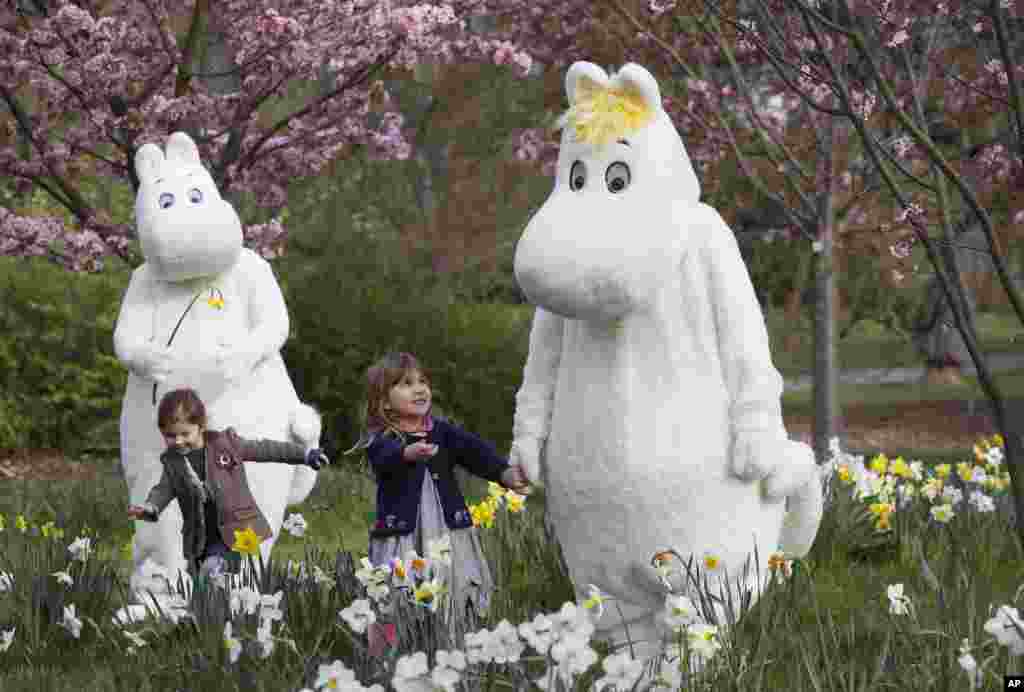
(203, 471)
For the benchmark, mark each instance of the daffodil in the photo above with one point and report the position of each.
(703, 639)
(712, 563)
(943, 471)
(843, 471)
(1, 522)
(63, 578)
(428, 594)
(246, 542)
(515, 502)
(879, 464)
(595, 601)
(21, 524)
(483, 515)
(942, 513)
(495, 490)
(900, 468)
(46, 528)
(216, 298)
(233, 646)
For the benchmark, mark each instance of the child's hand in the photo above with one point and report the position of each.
(514, 478)
(419, 450)
(316, 459)
(136, 512)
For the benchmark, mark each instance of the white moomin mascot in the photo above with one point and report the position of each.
(649, 408)
(206, 313)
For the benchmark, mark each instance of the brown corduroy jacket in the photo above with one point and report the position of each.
(225, 483)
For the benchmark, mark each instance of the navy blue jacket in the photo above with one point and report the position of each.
(400, 483)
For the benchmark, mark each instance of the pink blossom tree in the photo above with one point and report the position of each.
(86, 83)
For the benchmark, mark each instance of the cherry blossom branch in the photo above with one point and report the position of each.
(1009, 66)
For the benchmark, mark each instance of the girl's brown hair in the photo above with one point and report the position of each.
(181, 405)
(380, 378)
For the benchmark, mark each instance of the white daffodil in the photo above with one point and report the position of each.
(295, 524)
(680, 612)
(952, 495)
(982, 502)
(358, 616)
(538, 634)
(246, 599)
(428, 594)
(63, 578)
(270, 607)
(6, 582)
(368, 574)
(942, 513)
(506, 643)
(81, 549)
(1008, 629)
(6, 638)
(71, 623)
(440, 550)
(898, 603)
(574, 656)
(703, 640)
(448, 669)
(233, 646)
(969, 665)
(335, 677)
(621, 671)
(265, 639)
(994, 456)
(412, 674)
(571, 620)
(478, 646)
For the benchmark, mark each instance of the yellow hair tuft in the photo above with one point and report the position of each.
(601, 115)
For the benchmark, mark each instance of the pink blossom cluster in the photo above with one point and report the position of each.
(95, 81)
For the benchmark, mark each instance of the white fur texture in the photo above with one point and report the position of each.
(229, 354)
(648, 365)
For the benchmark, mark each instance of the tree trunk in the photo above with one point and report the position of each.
(826, 408)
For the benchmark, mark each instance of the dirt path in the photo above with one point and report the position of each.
(928, 425)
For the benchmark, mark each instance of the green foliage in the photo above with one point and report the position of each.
(61, 380)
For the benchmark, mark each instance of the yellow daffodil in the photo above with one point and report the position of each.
(965, 470)
(943, 471)
(216, 299)
(21, 524)
(515, 502)
(879, 464)
(997, 440)
(246, 542)
(46, 528)
(595, 602)
(483, 515)
(979, 453)
(495, 490)
(1, 522)
(843, 471)
(712, 563)
(126, 551)
(900, 468)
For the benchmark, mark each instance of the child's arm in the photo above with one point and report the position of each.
(385, 454)
(276, 451)
(159, 497)
(476, 455)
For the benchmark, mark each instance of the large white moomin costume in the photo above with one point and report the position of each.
(649, 408)
(220, 307)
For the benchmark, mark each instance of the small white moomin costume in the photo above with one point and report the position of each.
(649, 408)
(206, 313)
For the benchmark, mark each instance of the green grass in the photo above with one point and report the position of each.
(869, 345)
(830, 623)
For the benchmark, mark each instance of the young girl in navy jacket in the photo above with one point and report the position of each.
(413, 456)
